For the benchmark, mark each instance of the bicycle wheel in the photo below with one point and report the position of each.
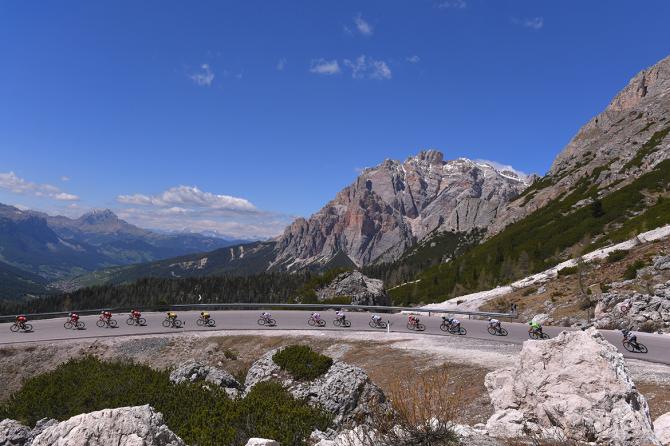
(503, 332)
(100, 323)
(462, 331)
(410, 326)
(81, 325)
(261, 321)
(272, 322)
(130, 321)
(67, 325)
(346, 323)
(142, 321)
(444, 327)
(628, 347)
(200, 322)
(178, 323)
(112, 323)
(642, 348)
(27, 327)
(420, 327)
(337, 323)
(311, 322)
(372, 324)
(167, 323)
(492, 331)
(14, 328)
(545, 336)
(211, 323)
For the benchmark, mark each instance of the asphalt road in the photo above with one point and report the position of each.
(53, 330)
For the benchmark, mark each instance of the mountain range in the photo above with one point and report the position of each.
(37, 249)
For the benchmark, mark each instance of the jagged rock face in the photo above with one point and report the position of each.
(575, 386)
(608, 142)
(392, 206)
(344, 390)
(362, 289)
(125, 426)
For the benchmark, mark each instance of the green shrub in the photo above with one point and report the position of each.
(617, 255)
(529, 291)
(567, 271)
(302, 362)
(631, 270)
(198, 415)
(230, 354)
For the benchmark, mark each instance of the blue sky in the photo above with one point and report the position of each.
(236, 116)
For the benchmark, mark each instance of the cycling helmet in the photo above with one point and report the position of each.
(489, 318)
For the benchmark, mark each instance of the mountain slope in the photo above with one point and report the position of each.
(617, 146)
(15, 283)
(611, 182)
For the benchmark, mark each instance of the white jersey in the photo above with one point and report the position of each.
(494, 322)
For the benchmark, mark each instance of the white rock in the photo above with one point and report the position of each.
(13, 433)
(261, 442)
(575, 385)
(662, 428)
(125, 426)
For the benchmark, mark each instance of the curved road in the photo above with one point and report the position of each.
(53, 330)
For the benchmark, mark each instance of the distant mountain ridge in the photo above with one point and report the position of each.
(57, 247)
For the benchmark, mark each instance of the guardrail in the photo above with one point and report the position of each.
(242, 306)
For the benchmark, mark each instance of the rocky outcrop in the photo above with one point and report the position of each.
(662, 428)
(125, 426)
(575, 386)
(13, 433)
(194, 371)
(392, 206)
(628, 308)
(344, 390)
(624, 141)
(362, 289)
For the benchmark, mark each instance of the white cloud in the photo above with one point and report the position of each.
(363, 26)
(365, 67)
(454, 4)
(13, 183)
(413, 59)
(503, 167)
(65, 178)
(281, 64)
(204, 77)
(188, 196)
(534, 23)
(322, 66)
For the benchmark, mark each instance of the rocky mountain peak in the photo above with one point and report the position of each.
(646, 85)
(98, 216)
(388, 208)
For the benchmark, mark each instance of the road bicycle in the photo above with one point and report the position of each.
(453, 329)
(633, 348)
(136, 321)
(313, 322)
(342, 322)
(534, 334)
(205, 322)
(106, 323)
(267, 321)
(16, 326)
(415, 325)
(497, 331)
(71, 323)
(377, 323)
(170, 322)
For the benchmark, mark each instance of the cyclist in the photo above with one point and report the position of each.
(74, 317)
(340, 316)
(631, 338)
(204, 315)
(106, 315)
(172, 315)
(21, 321)
(535, 327)
(495, 323)
(266, 316)
(376, 319)
(453, 323)
(413, 320)
(135, 314)
(316, 317)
